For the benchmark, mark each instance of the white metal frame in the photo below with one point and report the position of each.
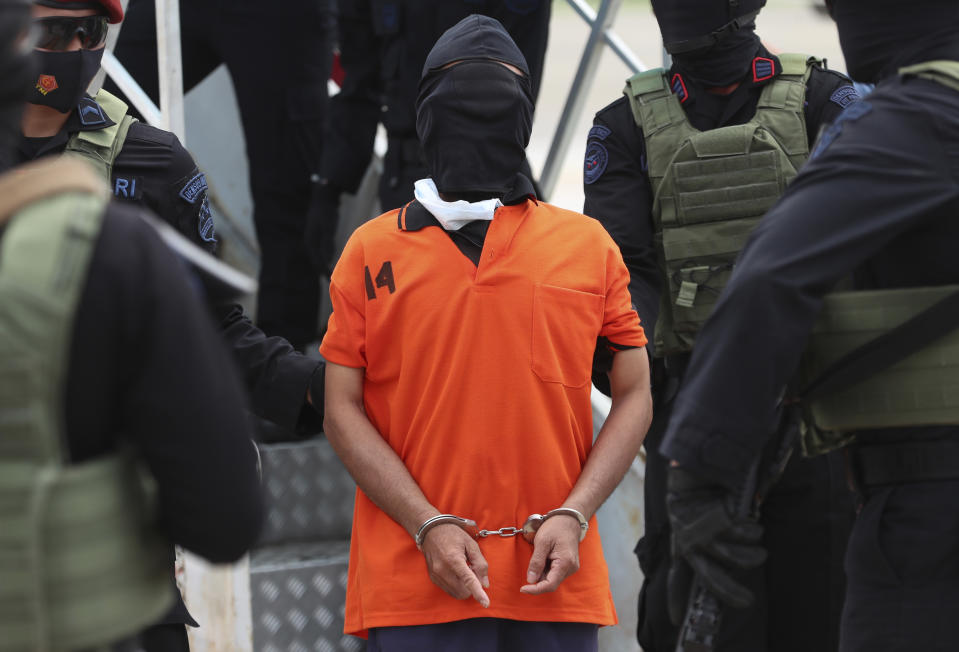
(169, 115)
(600, 35)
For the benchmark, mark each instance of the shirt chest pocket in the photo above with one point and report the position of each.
(565, 326)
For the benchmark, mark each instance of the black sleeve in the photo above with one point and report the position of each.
(618, 194)
(277, 376)
(146, 365)
(355, 111)
(154, 170)
(827, 93)
(881, 190)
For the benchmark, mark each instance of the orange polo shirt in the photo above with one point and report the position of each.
(479, 378)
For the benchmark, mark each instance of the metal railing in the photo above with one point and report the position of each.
(169, 115)
(600, 36)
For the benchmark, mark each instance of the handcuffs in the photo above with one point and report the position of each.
(528, 529)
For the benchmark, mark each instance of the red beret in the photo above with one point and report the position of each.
(112, 8)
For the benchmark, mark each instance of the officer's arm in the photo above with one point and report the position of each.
(880, 172)
(184, 408)
(618, 194)
(828, 93)
(280, 379)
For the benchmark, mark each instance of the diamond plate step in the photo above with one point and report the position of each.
(297, 595)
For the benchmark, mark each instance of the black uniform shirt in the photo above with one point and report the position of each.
(146, 366)
(153, 169)
(879, 200)
(616, 184)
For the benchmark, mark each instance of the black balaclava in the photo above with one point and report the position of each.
(17, 73)
(474, 118)
(63, 77)
(880, 36)
(711, 41)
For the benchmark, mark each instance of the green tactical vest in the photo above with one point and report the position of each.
(81, 561)
(102, 146)
(710, 188)
(921, 390)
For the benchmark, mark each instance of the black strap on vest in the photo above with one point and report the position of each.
(889, 348)
(904, 462)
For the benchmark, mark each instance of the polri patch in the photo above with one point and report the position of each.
(844, 96)
(91, 114)
(127, 187)
(599, 131)
(855, 111)
(194, 188)
(595, 164)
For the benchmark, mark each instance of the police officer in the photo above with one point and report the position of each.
(278, 55)
(150, 167)
(877, 204)
(109, 368)
(383, 46)
(679, 170)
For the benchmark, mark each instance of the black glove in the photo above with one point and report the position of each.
(322, 218)
(709, 542)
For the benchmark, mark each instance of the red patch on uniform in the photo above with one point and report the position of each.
(337, 74)
(46, 83)
(763, 69)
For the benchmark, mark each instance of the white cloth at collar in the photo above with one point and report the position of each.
(453, 215)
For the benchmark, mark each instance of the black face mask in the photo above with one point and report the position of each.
(724, 63)
(880, 36)
(474, 121)
(64, 77)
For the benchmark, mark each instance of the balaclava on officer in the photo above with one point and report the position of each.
(880, 36)
(711, 41)
(17, 72)
(473, 114)
(65, 75)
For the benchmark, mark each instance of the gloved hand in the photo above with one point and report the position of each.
(322, 218)
(709, 542)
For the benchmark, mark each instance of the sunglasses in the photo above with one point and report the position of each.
(58, 32)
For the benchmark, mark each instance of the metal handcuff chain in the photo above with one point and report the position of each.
(527, 530)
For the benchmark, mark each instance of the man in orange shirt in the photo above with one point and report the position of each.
(459, 357)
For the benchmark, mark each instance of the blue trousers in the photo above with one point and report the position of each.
(487, 635)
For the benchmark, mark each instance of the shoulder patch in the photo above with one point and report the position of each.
(599, 131)
(90, 113)
(855, 111)
(194, 188)
(204, 225)
(844, 96)
(763, 69)
(595, 164)
(678, 86)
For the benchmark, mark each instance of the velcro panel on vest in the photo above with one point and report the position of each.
(42, 263)
(655, 108)
(81, 539)
(921, 390)
(100, 147)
